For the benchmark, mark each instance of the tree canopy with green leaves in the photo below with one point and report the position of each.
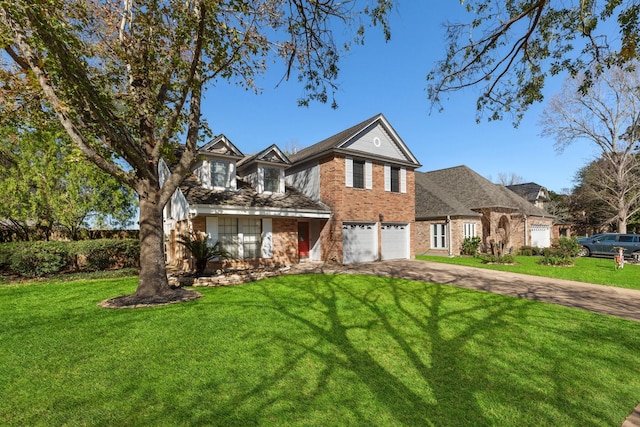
(508, 49)
(125, 78)
(45, 184)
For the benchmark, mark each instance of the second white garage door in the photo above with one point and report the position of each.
(395, 241)
(540, 235)
(359, 242)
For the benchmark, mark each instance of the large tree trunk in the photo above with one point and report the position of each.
(153, 285)
(153, 271)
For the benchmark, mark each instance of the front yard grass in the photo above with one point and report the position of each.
(586, 269)
(313, 350)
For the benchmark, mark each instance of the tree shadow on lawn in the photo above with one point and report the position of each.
(420, 353)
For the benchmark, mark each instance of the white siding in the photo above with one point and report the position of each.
(377, 141)
(307, 181)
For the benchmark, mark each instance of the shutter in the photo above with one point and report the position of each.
(348, 167)
(368, 175)
(403, 180)
(266, 247)
(387, 178)
(212, 230)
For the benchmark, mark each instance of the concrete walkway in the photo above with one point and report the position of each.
(609, 300)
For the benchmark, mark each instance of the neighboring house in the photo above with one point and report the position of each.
(538, 195)
(348, 198)
(455, 203)
(534, 193)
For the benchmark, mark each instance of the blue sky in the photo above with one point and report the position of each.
(390, 78)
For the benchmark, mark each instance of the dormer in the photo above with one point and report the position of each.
(265, 170)
(216, 166)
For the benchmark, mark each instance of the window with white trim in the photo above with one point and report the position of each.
(469, 230)
(250, 232)
(395, 179)
(220, 174)
(228, 236)
(271, 180)
(240, 238)
(438, 236)
(358, 173)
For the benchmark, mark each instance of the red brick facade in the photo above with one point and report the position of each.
(357, 204)
(495, 226)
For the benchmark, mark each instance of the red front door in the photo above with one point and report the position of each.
(303, 239)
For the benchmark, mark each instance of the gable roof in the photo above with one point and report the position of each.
(340, 142)
(530, 191)
(271, 154)
(220, 145)
(462, 190)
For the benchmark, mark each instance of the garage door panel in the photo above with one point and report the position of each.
(540, 235)
(359, 242)
(395, 241)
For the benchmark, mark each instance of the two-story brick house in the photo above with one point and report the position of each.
(349, 198)
(365, 174)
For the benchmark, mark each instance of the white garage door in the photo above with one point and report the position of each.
(395, 241)
(359, 242)
(540, 235)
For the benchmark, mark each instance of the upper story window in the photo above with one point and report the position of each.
(271, 179)
(395, 179)
(220, 172)
(358, 173)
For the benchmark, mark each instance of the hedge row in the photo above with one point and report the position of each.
(36, 259)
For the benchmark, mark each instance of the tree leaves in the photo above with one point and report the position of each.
(508, 49)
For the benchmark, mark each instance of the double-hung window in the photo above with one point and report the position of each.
(251, 231)
(220, 174)
(438, 236)
(395, 179)
(228, 236)
(240, 238)
(469, 230)
(358, 174)
(271, 179)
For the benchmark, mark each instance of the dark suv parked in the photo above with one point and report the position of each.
(608, 244)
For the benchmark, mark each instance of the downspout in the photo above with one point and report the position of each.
(449, 229)
(526, 230)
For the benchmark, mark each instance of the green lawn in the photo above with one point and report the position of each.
(590, 270)
(311, 350)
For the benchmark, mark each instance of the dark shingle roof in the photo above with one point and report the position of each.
(332, 141)
(434, 201)
(246, 196)
(529, 191)
(461, 189)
